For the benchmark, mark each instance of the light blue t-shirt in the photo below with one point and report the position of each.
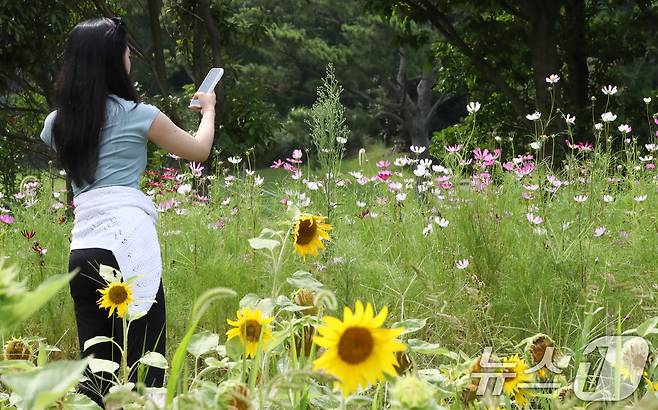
(122, 151)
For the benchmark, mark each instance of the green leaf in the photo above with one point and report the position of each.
(101, 365)
(302, 279)
(259, 243)
(154, 359)
(77, 401)
(410, 325)
(16, 312)
(648, 327)
(96, 340)
(40, 388)
(420, 346)
(202, 343)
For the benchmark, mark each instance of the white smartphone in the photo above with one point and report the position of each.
(209, 83)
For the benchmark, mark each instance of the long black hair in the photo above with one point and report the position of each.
(92, 69)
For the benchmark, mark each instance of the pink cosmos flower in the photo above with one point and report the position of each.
(486, 158)
(383, 164)
(196, 168)
(454, 148)
(384, 175)
(289, 167)
(534, 219)
(481, 181)
(277, 164)
(7, 219)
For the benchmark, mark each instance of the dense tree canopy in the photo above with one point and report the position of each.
(408, 67)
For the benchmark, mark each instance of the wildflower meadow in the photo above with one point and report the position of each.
(503, 260)
(375, 284)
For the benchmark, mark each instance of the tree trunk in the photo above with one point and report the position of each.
(576, 48)
(543, 47)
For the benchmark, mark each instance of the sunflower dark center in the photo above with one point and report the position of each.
(355, 345)
(251, 331)
(118, 295)
(307, 231)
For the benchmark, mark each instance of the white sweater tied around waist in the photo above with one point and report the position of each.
(122, 220)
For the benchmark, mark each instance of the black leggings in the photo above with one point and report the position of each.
(146, 334)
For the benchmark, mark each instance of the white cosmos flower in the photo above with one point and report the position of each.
(580, 198)
(184, 189)
(600, 231)
(400, 196)
(609, 90)
(534, 116)
(624, 128)
(640, 198)
(428, 230)
(570, 119)
(341, 140)
(258, 180)
(360, 204)
(462, 264)
(608, 198)
(425, 162)
(608, 117)
(401, 161)
(442, 222)
(647, 100)
(552, 79)
(313, 186)
(234, 160)
(417, 149)
(62, 173)
(651, 147)
(535, 145)
(420, 171)
(473, 107)
(598, 126)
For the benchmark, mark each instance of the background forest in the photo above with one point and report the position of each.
(408, 67)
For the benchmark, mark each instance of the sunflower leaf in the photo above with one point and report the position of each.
(202, 343)
(410, 325)
(42, 387)
(154, 359)
(423, 347)
(96, 340)
(260, 243)
(302, 279)
(101, 365)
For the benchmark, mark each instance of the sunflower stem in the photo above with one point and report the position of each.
(277, 264)
(124, 353)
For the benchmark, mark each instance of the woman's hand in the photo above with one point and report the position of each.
(206, 100)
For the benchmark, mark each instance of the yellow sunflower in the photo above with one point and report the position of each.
(116, 295)
(307, 233)
(358, 351)
(520, 375)
(248, 326)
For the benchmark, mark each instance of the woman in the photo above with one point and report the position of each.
(100, 132)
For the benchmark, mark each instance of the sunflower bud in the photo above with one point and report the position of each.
(17, 349)
(238, 399)
(304, 341)
(305, 297)
(411, 392)
(538, 348)
(404, 363)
